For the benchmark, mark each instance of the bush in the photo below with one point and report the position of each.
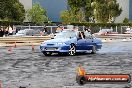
(6, 23)
(125, 20)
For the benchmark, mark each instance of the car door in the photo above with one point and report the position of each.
(81, 43)
(89, 40)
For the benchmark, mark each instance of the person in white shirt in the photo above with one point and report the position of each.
(10, 30)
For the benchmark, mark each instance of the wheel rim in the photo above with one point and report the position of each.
(72, 50)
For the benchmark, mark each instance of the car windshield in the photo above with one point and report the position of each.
(66, 34)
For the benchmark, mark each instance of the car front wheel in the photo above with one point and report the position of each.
(72, 50)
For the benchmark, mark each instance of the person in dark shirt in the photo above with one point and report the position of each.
(6, 32)
(87, 29)
(45, 30)
(1, 32)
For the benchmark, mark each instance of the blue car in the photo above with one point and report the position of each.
(71, 42)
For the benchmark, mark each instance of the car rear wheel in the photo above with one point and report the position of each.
(47, 53)
(72, 50)
(93, 49)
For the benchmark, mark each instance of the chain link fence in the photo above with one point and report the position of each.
(52, 29)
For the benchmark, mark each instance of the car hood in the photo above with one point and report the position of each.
(57, 40)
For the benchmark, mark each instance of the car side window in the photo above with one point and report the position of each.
(88, 35)
(81, 35)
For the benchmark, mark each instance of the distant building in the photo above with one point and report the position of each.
(27, 5)
(125, 10)
(54, 7)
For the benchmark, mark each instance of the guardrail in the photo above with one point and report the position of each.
(24, 39)
(115, 36)
(28, 40)
(37, 40)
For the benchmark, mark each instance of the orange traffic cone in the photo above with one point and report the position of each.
(10, 49)
(81, 71)
(33, 47)
(0, 84)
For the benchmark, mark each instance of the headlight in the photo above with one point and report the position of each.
(43, 43)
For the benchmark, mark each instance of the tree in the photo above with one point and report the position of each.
(83, 5)
(37, 14)
(126, 20)
(106, 10)
(68, 16)
(12, 10)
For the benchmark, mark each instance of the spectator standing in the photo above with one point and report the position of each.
(1, 32)
(10, 30)
(45, 30)
(59, 29)
(6, 32)
(41, 33)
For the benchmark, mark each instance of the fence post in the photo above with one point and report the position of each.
(121, 30)
(83, 27)
(29, 26)
(116, 28)
(51, 30)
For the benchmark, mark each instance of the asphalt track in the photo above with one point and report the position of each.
(22, 67)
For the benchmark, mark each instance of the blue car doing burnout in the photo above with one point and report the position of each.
(71, 42)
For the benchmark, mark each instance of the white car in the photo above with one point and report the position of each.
(128, 32)
(105, 32)
(26, 32)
